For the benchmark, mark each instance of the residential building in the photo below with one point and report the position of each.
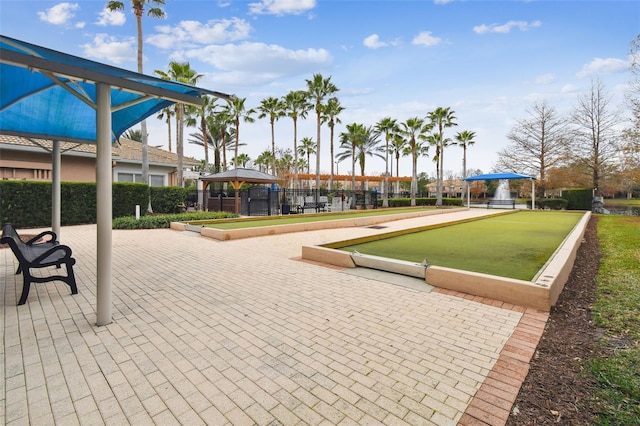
(30, 159)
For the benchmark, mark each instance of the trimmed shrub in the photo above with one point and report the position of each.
(168, 199)
(549, 204)
(164, 221)
(27, 204)
(578, 199)
(127, 195)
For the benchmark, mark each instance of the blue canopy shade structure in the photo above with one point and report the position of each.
(500, 176)
(52, 95)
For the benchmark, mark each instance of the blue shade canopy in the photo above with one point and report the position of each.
(496, 176)
(52, 95)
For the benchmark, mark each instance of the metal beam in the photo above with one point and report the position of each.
(128, 81)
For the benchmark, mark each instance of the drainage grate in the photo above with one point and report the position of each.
(377, 227)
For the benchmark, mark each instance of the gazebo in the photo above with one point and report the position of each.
(501, 176)
(51, 95)
(237, 177)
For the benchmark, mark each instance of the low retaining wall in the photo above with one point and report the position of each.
(541, 293)
(260, 231)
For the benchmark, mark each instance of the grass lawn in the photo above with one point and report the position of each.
(514, 245)
(302, 218)
(617, 310)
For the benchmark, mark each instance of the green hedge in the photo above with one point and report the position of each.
(406, 202)
(168, 199)
(28, 203)
(549, 204)
(578, 199)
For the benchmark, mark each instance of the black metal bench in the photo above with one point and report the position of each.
(37, 254)
(511, 203)
(318, 207)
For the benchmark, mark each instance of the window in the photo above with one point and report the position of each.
(154, 180)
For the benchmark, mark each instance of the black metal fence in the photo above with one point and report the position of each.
(267, 201)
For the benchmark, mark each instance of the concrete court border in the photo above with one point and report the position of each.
(260, 231)
(541, 293)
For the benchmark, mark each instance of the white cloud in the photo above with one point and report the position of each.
(506, 28)
(603, 66)
(249, 64)
(281, 7)
(60, 14)
(109, 18)
(569, 88)
(106, 47)
(190, 33)
(374, 42)
(425, 38)
(547, 78)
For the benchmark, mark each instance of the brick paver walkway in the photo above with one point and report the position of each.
(242, 333)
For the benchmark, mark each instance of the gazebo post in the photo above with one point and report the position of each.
(533, 194)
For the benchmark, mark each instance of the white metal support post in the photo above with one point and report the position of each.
(104, 203)
(55, 189)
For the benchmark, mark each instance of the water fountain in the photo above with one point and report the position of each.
(502, 191)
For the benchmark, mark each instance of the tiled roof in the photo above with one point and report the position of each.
(125, 150)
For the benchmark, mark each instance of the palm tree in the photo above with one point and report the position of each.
(296, 106)
(224, 120)
(166, 114)
(368, 148)
(264, 160)
(396, 149)
(306, 148)
(317, 89)
(415, 130)
(274, 109)
(241, 160)
(355, 135)
(387, 126)
(330, 116)
(183, 73)
(465, 139)
(154, 12)
(236, 110)
(198, 115)
(441, 118)
(216, 133)
(133, 134)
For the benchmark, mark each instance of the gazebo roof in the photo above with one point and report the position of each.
(241, 175)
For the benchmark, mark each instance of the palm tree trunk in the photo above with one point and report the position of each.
(296, 184)
(414, 179)
(318, 156)
(169, 131)
(179, 146)
(353, 178)
(331, 146)
(205, 143)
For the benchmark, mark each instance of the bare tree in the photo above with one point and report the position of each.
(537, 144)
(631, 134)
(595, 142)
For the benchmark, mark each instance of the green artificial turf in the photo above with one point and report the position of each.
(304, 218)
(514, 245)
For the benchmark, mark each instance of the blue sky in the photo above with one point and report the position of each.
(489, 61)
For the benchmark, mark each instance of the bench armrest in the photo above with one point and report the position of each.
(52, 238)
(65, 253)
